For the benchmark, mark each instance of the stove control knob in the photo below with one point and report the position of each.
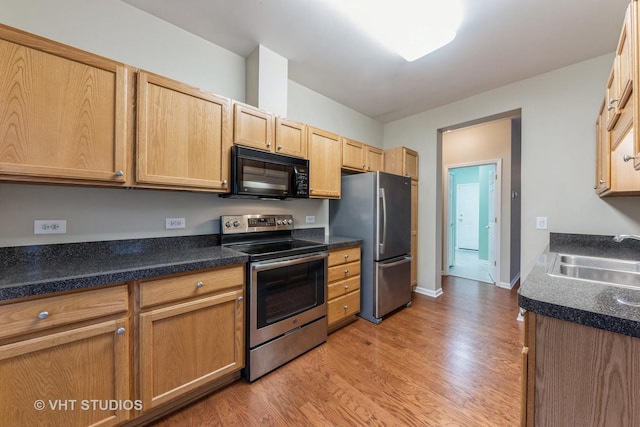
(289, 222)
(227, 224)
(236, 223)
(279, 222)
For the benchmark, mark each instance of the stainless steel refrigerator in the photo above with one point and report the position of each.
(376, 207)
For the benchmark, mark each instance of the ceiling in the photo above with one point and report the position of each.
(499, 42)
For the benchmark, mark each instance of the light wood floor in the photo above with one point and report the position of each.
(454, 361)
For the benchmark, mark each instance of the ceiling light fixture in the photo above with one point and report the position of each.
(411, 28)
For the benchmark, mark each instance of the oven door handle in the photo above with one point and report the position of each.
(285, 262)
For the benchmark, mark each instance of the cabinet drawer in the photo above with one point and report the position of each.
(36, 315)
(343, 307)
(343, 271)
(344, 256)
(159, 291)
(343, 287)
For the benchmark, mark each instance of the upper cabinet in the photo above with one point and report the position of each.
(616, 142)
(252, 127)
(291, 138)
(64, 113)
(361, 157)
(401, 161)
(184, 136)
(325, 158)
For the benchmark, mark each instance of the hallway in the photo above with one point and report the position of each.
(468, 266)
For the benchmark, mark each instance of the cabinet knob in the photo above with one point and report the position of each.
(119, 173)
(346, 256)
(240, 299)
(346, 271)
(627, 157)
(199, 284)
(279, 147)
(224, 182)
(346, 307)
(346, 287)
(268, 144)
(120, 331)
(43, 315)
(311, 190)
(364, 166)
(602, 181)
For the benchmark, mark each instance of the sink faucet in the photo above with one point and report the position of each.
(621, 237)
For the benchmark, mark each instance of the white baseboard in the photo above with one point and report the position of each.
(509, 285)
(428, 292)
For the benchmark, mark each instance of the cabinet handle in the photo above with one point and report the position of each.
(627, 157)
(120, 331)
(311, 190)
(613, 101)
(199, 284)
(346, 256)
(224, 182)
(119, 173)
(610, 108)
(602, 181)
(43, 315)
(346, 271)
(346, 307)
(364, 166)
(346, 287)
(240, 299)
(268, 144)
(279, 147)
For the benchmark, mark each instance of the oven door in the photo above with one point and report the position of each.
(285, 294)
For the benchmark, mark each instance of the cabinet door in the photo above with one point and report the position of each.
(185, 346)
(325, 158)
(63, 113)
(353, 155)
(603, 154)
(374, 159)
(410, 163)
(252, 127)
(184, 136)
(67, 378)
(291, 138)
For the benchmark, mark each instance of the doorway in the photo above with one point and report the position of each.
(472, 214)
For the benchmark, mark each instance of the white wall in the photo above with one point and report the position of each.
(559, 110)
(121, 32)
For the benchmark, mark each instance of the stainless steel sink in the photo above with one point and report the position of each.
(607, 270)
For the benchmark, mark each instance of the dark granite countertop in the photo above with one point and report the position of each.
(588, 303)
(39, 270)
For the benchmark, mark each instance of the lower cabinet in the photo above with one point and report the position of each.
(343, 295)
(575, 375)
(73, 370)
(191, 332)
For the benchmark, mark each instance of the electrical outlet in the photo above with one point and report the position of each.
(171, 223)
(311, 219)
(541, 223)
(50, 226)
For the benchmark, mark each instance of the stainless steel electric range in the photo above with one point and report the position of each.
(286, 289)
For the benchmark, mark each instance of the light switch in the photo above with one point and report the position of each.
(541, 223)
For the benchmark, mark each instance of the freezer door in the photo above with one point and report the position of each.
(392, 285)
(393, 216)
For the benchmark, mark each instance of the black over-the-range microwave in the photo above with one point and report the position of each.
(256, 173)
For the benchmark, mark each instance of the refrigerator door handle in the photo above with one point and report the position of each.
(384, 220)
(393, 264)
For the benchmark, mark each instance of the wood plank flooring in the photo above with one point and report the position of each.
(453, 361)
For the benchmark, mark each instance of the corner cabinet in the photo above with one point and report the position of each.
(325, 159)
(343, 295)
(191, 333)
(64, 113)
(404, 161)
(184, 136)
(64, 358)
(575, 375)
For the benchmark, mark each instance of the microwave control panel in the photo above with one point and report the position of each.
(230, 224)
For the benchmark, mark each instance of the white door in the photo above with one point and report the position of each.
(468, 202)
(451, 247)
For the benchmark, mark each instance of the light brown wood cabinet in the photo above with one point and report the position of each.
(291, 138)
(65, 113)
(404, 161)
(191, 333)
(577, 375)
(325, 159)
(616, 142)
(361, 157)
(64, 358)
(184, 136)
(343, 295)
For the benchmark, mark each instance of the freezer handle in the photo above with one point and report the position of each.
(384, 220)
(393, 264)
